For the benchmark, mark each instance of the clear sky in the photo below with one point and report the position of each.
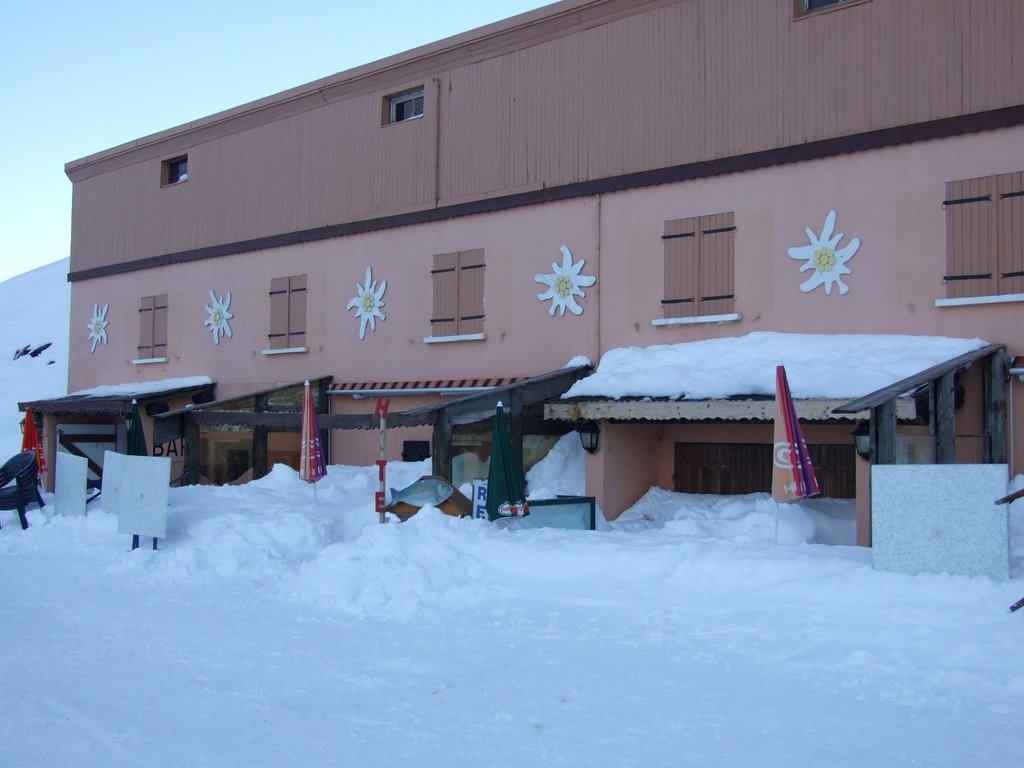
(77, 78)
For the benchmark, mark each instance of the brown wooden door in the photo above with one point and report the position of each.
(738, 468)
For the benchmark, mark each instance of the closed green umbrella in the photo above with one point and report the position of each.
(136, 436)
(505, 496)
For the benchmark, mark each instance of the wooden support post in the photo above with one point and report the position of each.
(192, 451)
(441, 446)
(323, 405)
(883, 433)
(260, 443)
(515, 427)
(945, 419)
(995, 408)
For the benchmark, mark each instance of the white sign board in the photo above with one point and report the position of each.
(135, 488)
(69, 484)
(480, 499)
(940, 518)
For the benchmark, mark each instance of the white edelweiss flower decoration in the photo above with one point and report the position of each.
(98, 325)
(367, 303)
(829, 265)
(219, 315)
(565, 284)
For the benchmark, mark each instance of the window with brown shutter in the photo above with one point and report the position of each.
(153, 327)
(1010, 232)
(985, 236)
(458, 280)
(699, 266)
(288, 312)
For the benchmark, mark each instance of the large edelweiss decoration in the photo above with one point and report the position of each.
(368, 303)
(218, 316)
(565, 284)
(98, 325)
(829, 265)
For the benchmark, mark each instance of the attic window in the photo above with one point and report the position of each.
(174, 171)
(808, 7)
(403, 106)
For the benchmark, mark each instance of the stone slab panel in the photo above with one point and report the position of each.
(940, 518)
(70, 484)
(135, 488)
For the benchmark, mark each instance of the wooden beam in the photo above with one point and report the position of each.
(917, 380)
(707, 410)
(165, 430)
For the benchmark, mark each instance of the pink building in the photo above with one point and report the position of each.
(644, 165)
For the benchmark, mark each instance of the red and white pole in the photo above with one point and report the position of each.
(382, 411)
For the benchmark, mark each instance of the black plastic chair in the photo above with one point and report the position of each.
(19, 486)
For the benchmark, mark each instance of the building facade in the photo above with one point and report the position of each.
(592, 175)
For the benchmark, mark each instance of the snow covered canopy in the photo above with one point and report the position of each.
(734, 377)
(116, 399)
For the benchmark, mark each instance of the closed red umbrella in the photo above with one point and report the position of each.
(792, 473)
(311, 454)
(30, 442)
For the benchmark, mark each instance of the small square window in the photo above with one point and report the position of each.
(403, 106)
(807, 7)
(174, 171)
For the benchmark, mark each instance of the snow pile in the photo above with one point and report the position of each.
(560, 473)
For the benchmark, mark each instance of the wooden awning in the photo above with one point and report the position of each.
(119, 401)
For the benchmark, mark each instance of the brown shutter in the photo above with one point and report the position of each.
(681, 263)
(717, 258)
(297, 311)
(443, 321)
(160, 325)
(471, 292)
(1010, 236)
(970, 238)
(278, 337)
(146, 327)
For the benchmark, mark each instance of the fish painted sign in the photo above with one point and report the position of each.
(424, 491)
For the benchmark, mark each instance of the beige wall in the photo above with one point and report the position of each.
(521, 337)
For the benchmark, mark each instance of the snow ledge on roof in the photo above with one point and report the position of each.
(828, 366)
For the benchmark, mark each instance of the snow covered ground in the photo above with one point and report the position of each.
(270, 630)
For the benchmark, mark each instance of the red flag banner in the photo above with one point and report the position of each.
(792, 473)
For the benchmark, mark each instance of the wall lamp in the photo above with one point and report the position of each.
(862, 440)
(590, 435)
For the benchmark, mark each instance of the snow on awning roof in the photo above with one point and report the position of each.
(818, 366)
(117, 398)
